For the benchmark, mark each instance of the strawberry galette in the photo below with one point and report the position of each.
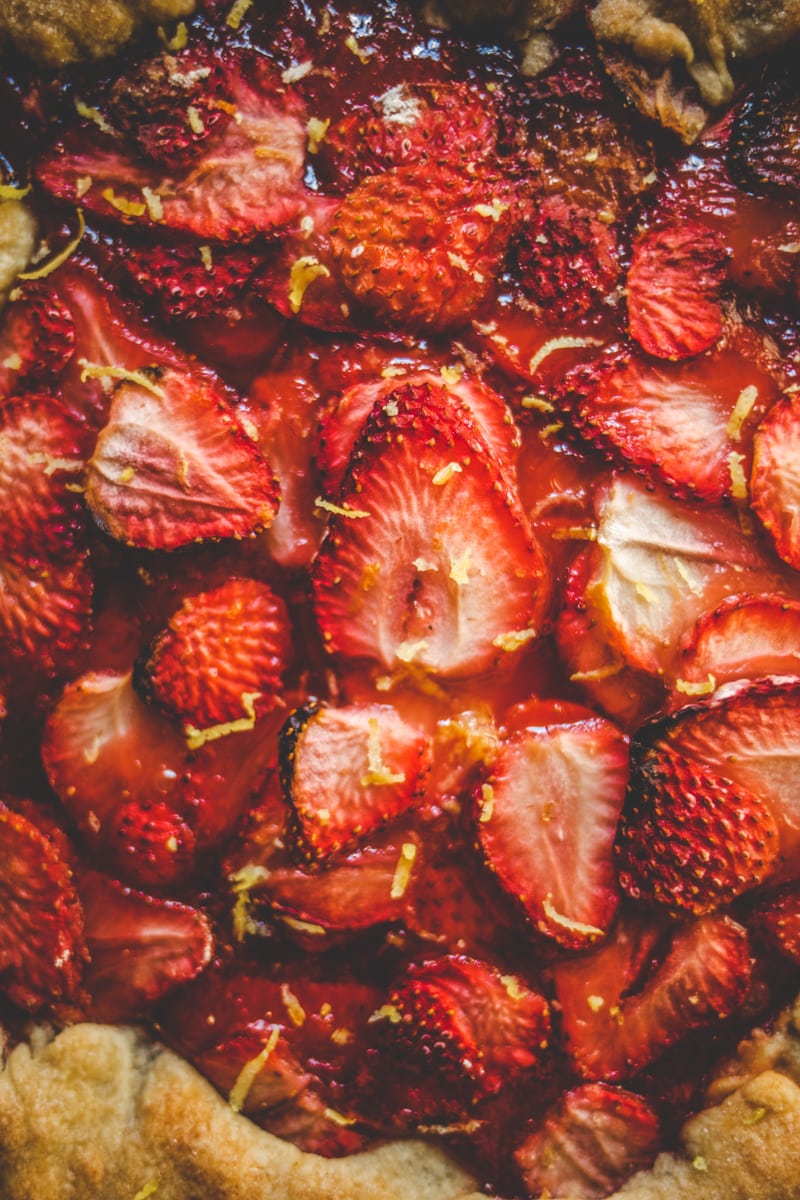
(399, 623)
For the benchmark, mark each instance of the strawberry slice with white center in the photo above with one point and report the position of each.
(746, 637)
(594, 1139)
(344, 420)
(674, 289)
(347, 770)
(140, 947)
(546, 820)
(429, 563)
(247, 177)
(659, 565)
(688, 426)
(475, 1029)
(622, 1006)
(775, 480)
(174, 466)
(749, 733)
(222, 653)
(41, 921)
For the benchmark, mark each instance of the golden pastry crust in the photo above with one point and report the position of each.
(55, 33)
(100, 1113)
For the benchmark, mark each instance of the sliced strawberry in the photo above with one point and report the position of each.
(443, 122)
(590, 1143)
(774, 491)
(187, 282)
(625, 694)
(140, 948)
(407, 579)
(37, 340)
(749, 734)
(658, 565)
(344, 420)
(674, 289)
(41, 465)
(283, 408)
(744, 638)
(568, 259)
(688, 425)
(45, 615)
(174, 466)
(221, 655)
(762, 155)
(366, 888)
(475, 1029)
(348, 770)
(169, 105)
(421, 246)
(546, 821)
(41, 945)
(132, 784)
(247, 177)
(621, 1008)
(777, 918)
(690, 839)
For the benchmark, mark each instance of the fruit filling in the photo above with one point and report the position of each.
(399, 608)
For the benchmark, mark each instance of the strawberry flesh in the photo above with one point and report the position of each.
(348, 770)
(674, 289)
(568, 260)
(595, 1138)
(41, 943)
(413, 583)
(774, 488)
(174, 466)
(140, 947)
(546, 820)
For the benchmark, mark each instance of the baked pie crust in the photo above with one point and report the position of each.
(99, 1112)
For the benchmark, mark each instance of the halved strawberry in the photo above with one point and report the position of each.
(777, 918)
(546, 820)
(674, 289)
(421, 246)
(762, 154)
(568, 259)
(774, 490)
(174, 466)
(744, 638)
(690, 839)
(140, 947)
(189, 282)
(344, 419)
(348, 770)
(475, 1030)
(749, 734)
(41, 466)
(41, 931)
(626, 1003)
(150, 842)
(37, 339)
(594, 1139)
(658, 565)
(246, 178)
(170, 104)
(443, 122)
(221, 655)
(404, 577)
(688, 425)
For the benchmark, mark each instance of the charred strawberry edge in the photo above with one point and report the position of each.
(454, 998)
